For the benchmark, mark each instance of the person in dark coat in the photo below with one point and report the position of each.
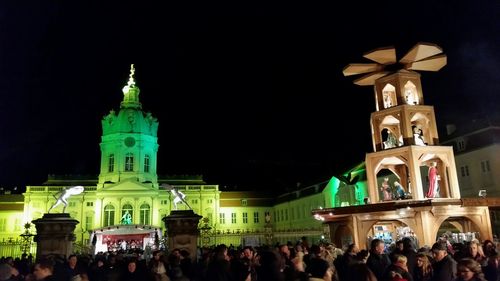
(378, 261)
(444, 266)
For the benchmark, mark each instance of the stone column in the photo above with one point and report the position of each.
(182, 231)
(54, 234)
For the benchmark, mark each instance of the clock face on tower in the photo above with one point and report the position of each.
(129, 142)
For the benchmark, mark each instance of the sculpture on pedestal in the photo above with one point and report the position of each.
(65, 193)
(178, 195)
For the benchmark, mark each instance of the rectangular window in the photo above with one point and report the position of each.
(90, 204)
(244, 202)
(164, 202)
(88, 222)
(222, 218)
(286, 214)
(209, 201)
(111, 163)
(485, 166)
(72, 204)
(464, 170)
(146, 163)
(460, 145)
(282, 218)
(17, 225)
(129, 162)
(3, 224)
(194, 201)
(256, 217)
(233, 217)
(245, 217)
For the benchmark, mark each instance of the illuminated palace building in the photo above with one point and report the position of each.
(128, 183)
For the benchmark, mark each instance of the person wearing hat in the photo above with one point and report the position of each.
(444, 267)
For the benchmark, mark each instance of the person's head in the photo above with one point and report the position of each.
(362, 255)
(488, 247)
(248, 252)
(399, 245)
(43, 268)
(399, 259)
(132, 266)
(352, 249)
(475, 248)
(439, 250)
(377, 246)
(468, 268)
(423, 260)
(284, 250)
(319, 268)
(156, 255)
(72, 260)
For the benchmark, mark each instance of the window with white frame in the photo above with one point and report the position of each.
(245, 217)
(146, 163)
(111, 163)
(129, 162)
(222, 218)
(144, 212)
(109, 215)
(256, 217)
(233, 217)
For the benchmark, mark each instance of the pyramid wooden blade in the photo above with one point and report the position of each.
(385, 55)
(421, 51)
(359, 68)
(370, 79)
(434, 63)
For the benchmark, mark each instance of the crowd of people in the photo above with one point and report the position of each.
(470, 261)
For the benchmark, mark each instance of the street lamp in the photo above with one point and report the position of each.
(26, 239)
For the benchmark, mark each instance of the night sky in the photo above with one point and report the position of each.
(249, 95)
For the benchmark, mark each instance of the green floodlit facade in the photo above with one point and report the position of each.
(128, 182)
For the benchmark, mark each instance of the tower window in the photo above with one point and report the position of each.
(129, 162)
(111, 163)
(146, 163)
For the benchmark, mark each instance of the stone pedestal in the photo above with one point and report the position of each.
(54, 234)
(182, 231)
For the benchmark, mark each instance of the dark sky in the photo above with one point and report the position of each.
(249, 95)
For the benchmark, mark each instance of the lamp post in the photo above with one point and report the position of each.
(26, 239)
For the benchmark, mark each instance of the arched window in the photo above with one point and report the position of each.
(389, 96)
(111, 163)
(145, 214)
(411, 95)
(128, 208)
(146, 163)
(129, 162)
(109, 215)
